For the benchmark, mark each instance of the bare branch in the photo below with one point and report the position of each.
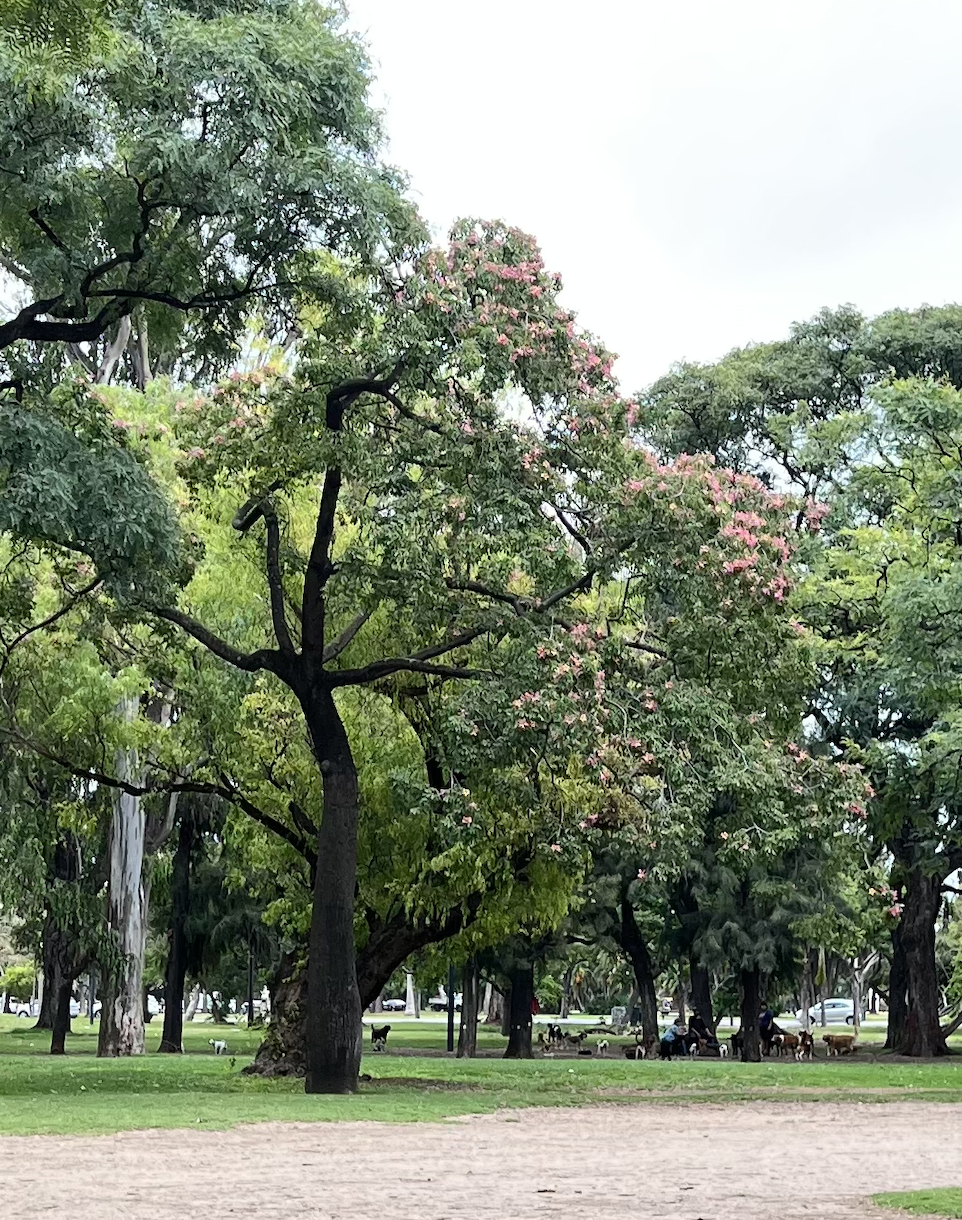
(250, 662)
(336, 647)
(275, 579)
(383, 669)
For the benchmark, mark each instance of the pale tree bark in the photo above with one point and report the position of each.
(122, 1012)
(114, 350)
(468, 1034)
(192, 1003)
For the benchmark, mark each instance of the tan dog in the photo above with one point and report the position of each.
(839, 1044)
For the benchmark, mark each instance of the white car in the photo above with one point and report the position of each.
(837, 1012)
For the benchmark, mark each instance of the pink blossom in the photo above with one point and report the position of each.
(503, 340)
(556, 847)
(466, 820)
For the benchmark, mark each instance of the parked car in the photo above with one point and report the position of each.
(439, 1003)
(837, 1011)
(20, 1009)
(395, 1005)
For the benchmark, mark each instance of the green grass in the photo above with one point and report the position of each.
(946, 1202)
(80, 1094)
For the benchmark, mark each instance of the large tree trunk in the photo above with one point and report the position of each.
(519, 1012)
(701, 992)
(750, 984)
(334, 1004)
(470, 988)
(172, 1039)
(122, 1012)
(922, 1037)
(634, 945)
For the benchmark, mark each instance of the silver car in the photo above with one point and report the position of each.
(837, 1012)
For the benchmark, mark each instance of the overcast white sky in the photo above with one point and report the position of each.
(701, 172)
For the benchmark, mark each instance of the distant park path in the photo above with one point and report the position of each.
(690, 1162)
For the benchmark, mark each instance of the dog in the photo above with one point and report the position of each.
(634, 1052)
(603, 1047)
(737, 1041)
(219, 1045)
(806, 1046)
(784, 1044)
(696, 1048)
(840, 1044)
(722, 1050)
(379, 1035)
(575, 1040)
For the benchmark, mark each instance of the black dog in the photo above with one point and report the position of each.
(379, 1035)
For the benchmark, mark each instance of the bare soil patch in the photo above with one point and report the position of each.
(761, 1161)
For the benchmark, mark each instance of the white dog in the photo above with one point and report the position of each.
(722, 1050)
(219, 1045)
(602, 1046)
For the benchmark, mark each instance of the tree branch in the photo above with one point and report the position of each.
(250, 662)
(48, 621)
(383, 669)
(336, 647)
(275, 579)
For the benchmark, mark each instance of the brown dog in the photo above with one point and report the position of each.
(839, 1044)
(784, 1044)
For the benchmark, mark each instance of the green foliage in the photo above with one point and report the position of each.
(18, 982)
(184, 166)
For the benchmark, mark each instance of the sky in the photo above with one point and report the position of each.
(702, 172)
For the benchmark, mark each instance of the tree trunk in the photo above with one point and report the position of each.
(922, 1037)
(701, 992)
(122, 1013)
(334, 1004)
(192, 1003)
(172, 1040)
(519, 1012)
(751, 1004)
(680, 993)
(566, 995)
(468, 1033)
(283, 1050)
(634, 945)
(60, 988)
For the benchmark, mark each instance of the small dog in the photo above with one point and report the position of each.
(576, 1040)
(806, 1046)
(722, 1050)
(379, 1035)
(219, 1045)
(696, 1047)
(602, 1046)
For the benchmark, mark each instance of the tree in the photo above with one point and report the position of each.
(816, 409)
(18, 982)
(178, 173)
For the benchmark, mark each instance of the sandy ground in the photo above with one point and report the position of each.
(740, 1162)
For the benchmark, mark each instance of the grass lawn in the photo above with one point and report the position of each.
(78, 1093)
(946, 1202)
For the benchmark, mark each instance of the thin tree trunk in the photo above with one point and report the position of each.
(172, 1039)
(634, 945)
(468, 1033)
(751, 1002)
(922, 1037)
(494, 1005)
(122, 1014)
(193, 1003)
(60, 988)
(334, 1003)
(701, 992)
(519, 1012)
(566, 995)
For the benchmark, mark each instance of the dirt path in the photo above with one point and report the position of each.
(705, 1162)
